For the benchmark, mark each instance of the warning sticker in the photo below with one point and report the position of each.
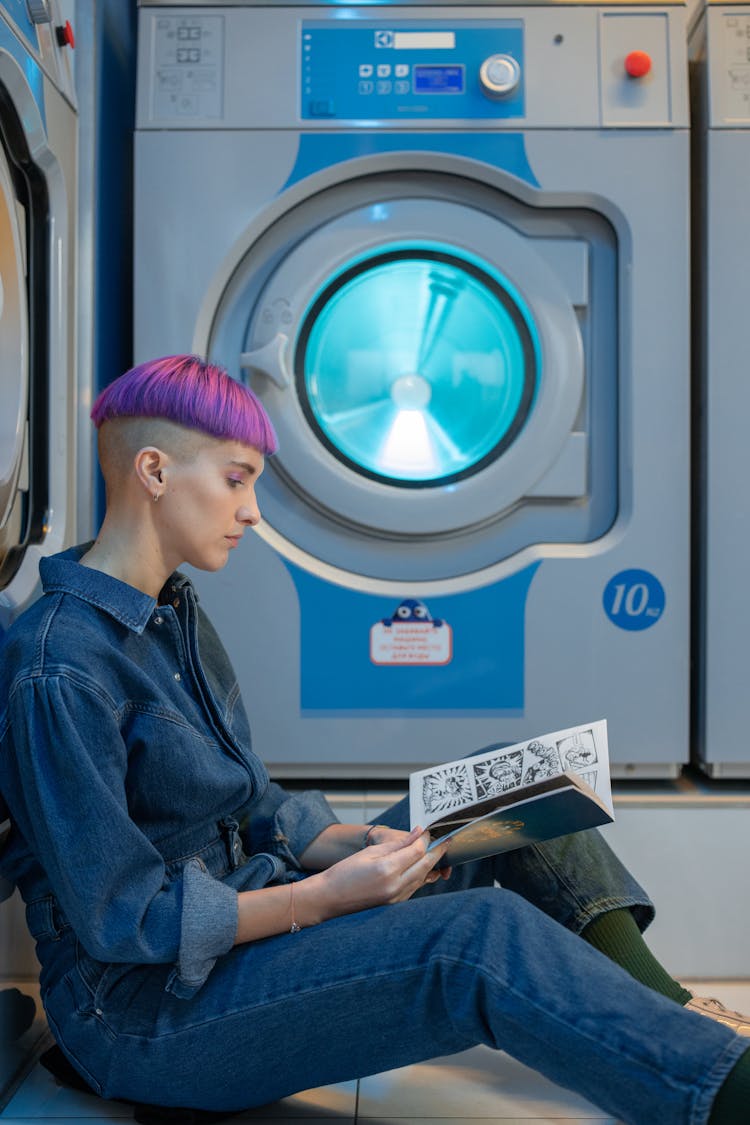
(411, 636)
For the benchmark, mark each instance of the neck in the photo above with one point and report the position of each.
(130, 554)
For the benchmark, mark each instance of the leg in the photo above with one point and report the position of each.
(580, 882)
(573, 879)
(392, 986)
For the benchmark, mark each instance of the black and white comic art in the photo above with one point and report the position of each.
(459, 784)
(446, 789)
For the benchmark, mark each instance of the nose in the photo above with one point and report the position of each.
(249, 514)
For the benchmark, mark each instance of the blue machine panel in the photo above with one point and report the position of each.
(9, 42)
(461, 653)
(19, 13)
(364, 71)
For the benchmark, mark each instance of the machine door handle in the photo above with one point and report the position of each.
(270, 360)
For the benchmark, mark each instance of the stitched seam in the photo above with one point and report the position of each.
(67, 675)
(135, 624)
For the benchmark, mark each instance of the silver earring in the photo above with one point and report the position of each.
(156, 497)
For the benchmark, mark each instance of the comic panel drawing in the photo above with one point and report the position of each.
(578, 751)
(540, 761)
(446, 789)
(498, 775)
(589, 776)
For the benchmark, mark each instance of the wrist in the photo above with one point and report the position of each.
(310, 901)
(369, 836)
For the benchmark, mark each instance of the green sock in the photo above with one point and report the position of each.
(616, 934)
(733, 1098)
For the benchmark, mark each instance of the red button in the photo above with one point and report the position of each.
(65, 36)
(637, 64)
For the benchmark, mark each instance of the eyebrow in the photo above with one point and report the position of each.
(250, 469)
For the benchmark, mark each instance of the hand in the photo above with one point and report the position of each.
(378, 875)
(382, 834)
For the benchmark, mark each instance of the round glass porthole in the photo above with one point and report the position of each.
(416, 367)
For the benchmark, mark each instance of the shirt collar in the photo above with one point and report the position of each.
(63, 573)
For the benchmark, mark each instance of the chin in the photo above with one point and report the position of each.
(209, 565)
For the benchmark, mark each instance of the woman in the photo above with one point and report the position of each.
(207, 939)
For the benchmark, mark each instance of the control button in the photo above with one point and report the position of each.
(365, 70)
(401, 87)
(499, 75)
(384, 70)
(322, 107)
(384, 87)
(401, 70)
(65, 36)
(637, 64)
(366, 86)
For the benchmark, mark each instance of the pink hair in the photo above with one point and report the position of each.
(191, 392)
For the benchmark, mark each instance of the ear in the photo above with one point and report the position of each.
(150, 463)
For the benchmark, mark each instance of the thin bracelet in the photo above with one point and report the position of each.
(295, 926)
(367, 841)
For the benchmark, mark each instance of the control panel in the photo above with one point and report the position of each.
(736, 54)
(412, 70)
(323, 67)
(188, 60)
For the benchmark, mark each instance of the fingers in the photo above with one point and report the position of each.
(395, 842)
(426, 869)
(410, 864)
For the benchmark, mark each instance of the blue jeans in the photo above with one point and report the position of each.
(461, 963)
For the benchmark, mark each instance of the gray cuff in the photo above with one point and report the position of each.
(209, 927)
(298, 821)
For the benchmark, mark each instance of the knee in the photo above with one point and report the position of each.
(490, 915)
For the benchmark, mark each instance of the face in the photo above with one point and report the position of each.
(209, 503)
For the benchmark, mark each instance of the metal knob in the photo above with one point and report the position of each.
(499, 75)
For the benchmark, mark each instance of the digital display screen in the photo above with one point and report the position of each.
(424, 40)
(434, 79)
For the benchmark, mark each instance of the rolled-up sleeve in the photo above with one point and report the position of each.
(109, 879)
(209, 926)
(285, 824)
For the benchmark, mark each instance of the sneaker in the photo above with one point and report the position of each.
(715, 1010)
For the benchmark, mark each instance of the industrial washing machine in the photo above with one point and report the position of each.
(448, 248)
(38, 384)
(720, 72)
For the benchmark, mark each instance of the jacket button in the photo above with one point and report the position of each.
(177, 676)
(158, 620)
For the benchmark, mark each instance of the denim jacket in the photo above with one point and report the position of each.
(138, 808)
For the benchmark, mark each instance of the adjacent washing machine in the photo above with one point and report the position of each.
(448, 247)
(720, 68)
(38, 385)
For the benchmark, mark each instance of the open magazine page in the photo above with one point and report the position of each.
(496, 771)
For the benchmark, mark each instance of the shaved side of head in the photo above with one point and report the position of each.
(120, 439)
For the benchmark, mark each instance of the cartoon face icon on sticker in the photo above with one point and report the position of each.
(411, 610)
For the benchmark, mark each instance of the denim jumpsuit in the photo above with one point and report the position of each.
(138, 812)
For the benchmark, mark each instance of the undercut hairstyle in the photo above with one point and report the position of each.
(188, 391)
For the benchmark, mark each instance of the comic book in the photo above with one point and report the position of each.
(506, 797)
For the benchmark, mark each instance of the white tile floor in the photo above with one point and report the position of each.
(478, 1084)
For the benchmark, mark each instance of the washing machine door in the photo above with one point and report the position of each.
(38, 150)
(14, 374)
(423, 363)
(415, 367)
